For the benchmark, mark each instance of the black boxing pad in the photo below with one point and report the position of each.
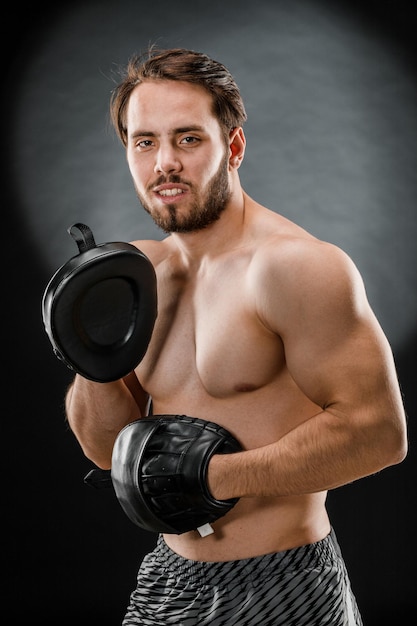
(99, 308)
(159, 468)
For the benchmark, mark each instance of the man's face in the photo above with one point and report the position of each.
(177, 155)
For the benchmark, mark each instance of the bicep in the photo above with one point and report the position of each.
(341, 362)
(335, 349)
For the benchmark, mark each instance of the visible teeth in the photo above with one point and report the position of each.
(170, 192)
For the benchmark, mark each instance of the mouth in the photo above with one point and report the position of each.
(176, 191)
(170, 192)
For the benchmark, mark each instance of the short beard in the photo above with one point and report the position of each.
(204, 212)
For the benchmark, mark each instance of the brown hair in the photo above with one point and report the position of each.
(184, 65)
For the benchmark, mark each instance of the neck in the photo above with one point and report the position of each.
(217, 237)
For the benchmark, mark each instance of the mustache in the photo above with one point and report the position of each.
(172, 178)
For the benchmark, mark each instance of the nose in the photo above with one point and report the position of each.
(167, 159)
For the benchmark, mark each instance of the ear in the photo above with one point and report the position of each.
(237, 143)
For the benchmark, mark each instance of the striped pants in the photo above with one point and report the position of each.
(306, 586)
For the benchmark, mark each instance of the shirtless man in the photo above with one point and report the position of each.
(261, 328)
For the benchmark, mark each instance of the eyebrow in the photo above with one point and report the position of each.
(175, 131)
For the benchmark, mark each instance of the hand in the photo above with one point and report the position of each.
(159, 472)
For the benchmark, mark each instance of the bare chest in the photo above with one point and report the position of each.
(208, 337)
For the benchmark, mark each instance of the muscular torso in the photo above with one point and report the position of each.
(212, 357)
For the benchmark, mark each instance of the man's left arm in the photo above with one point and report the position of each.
(340, 358)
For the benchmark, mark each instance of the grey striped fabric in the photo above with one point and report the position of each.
(306, 586)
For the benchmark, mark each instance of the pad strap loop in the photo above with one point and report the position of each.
(98, 478)
(84, 238)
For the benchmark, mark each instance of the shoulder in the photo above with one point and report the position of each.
(297, 276)
(281, 245)
(156, 251)
(287, 253)
(305, 260)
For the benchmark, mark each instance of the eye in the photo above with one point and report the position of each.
(189, 140)
(144, 143)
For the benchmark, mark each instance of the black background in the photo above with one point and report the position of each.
(71, 554)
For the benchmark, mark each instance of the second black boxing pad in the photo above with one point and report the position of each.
(159, 472)
(99, 308)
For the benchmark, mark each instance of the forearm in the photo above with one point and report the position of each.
(322, 453)
(96, 412)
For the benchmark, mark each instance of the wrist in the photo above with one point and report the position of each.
(218, 477)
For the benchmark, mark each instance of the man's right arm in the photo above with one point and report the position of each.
(96, 412)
